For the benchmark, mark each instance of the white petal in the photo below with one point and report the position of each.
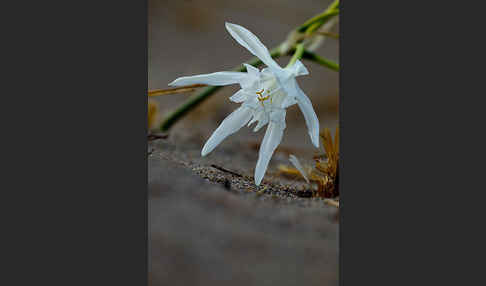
(230, 125)
(298, 69)
(262, 122)
(272, 138)
(248, 40)
(261, 117)
(288, 101)
(252, 71)
(257, 115)
(239, 96)
(298, 166)
(217, 78)
(309, 114)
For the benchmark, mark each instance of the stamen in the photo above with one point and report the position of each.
(262, 98)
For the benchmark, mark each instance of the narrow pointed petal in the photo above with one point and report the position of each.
(309, 114)
(252, 71)
(230, 125)
(298, 69)
(217, 78)
(256, 117)
(251, 42)
(239, 96)
(272, 138)
(262, 121)
(298, 166)
(253, 120)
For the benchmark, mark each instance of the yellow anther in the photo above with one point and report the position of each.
(261, 97)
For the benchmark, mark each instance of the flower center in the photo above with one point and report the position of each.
(262, 97)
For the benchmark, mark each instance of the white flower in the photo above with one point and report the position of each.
(264, 96)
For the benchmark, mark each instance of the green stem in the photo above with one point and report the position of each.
(322, 61)
(196, 99)
(186, 106)
(320, 19)
(299, 51)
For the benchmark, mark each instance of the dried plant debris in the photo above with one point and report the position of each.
(299, 167)
(181, 89)
(325, 173)
(153, 111)
(157, 135)
(332, 202)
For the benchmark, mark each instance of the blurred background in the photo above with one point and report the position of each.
(188, 37)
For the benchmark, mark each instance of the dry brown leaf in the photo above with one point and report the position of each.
(325, 172)
(332, 202)
(153, 111)
(181, 89)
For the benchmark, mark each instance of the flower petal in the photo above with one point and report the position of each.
(298, 68)
(252, 71)
(309, 114)
(217, 78)
(260, 124)
(248, 40)
(298, 166)
(272, 138)
(230, 125)
(239, 96)
(257, 116)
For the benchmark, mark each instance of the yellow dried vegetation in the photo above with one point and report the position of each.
(152, 113)
(325, 173)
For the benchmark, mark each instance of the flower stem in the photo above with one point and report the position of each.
(196, 99)
(320, 19)
(322, 61)
(299, 51)
(309, 27)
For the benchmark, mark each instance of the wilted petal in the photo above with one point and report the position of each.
(272, 138)
(217, 78)
(230, 125)
(309, 114)
(298, 166)
(248, 40)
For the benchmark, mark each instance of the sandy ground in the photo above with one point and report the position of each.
(213, 227)
(209, 224)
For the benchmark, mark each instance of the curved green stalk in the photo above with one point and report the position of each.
(320, 60)
(299, 51)
(320, 19)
